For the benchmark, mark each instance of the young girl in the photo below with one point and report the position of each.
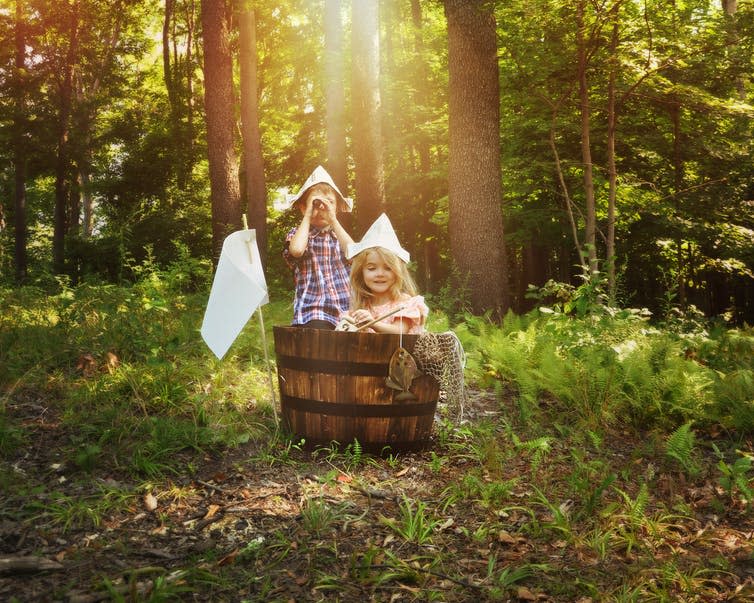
(381, 283)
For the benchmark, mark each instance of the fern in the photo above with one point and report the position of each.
(539, 449)
(636, 509)
(680, 447)
(355, 452)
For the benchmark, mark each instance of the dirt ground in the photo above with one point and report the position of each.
(248, 527)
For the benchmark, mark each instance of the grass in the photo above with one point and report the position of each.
(563, 487)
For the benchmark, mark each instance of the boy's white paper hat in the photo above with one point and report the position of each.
(380, 234)
(318, 176)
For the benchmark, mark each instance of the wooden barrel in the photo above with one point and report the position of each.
(332, 389)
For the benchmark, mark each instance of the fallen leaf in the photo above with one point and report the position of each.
(112, 362)
(212, 511)
(344, 479)
(445, 524)
(505, 537)
(150, 501)
(525, 594)
(402, 472)
(229, 558)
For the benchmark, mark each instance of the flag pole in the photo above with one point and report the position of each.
(264, 335)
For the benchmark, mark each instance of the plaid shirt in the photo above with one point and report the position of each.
(321, 275)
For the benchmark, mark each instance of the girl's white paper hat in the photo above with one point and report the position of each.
(319, 176)
(380, 234)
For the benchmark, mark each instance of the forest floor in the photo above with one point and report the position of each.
(248, 525)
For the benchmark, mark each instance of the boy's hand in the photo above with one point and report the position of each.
(309, 208)
(327, 208)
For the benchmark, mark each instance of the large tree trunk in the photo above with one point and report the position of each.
(611, 169)
(335, 104)
(590, 228)
(81, 210)
(255, 189)
(430, 262)
(678, 177)
(367, 130)
(190, 142)
(180, 92)
(218, 105)
(62, 162)
(475, 196)
(19, 150)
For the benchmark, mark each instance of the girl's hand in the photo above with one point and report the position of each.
(360, 317)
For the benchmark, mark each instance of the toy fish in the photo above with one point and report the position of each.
(402, 371)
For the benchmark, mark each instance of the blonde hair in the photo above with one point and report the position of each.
(361, 296)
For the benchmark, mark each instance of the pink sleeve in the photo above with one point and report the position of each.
(415, 311)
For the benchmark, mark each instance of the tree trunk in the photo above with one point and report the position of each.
(255, 188)
(429, 231)
(62, 162)
(87, 201)
(678, 168)
(190, 142)
(590, 227)
(475, 196)
(335, 111)
(366, 99)
(19, 149)
(611, 170)
(81, 210)
(218, 105)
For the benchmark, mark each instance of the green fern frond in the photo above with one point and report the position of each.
(680, 447)
(639, 506)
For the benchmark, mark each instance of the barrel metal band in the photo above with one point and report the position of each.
(358, 410)
(332, 367)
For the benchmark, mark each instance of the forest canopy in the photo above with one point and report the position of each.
(546, 144)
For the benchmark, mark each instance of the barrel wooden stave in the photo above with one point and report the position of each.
(324, 395)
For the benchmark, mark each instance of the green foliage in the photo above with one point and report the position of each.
(168, 402)
(680, 447)
(12, 436)
(86, 512)
(129, 362)
(615, 368)
(734, 477)
(489, 494)
(317, 516)
(414, 523)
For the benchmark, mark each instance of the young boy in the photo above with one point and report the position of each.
(315, 251)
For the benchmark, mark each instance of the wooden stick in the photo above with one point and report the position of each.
(383, 317)
(264, 337)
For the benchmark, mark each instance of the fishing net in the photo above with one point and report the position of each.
(441, 355)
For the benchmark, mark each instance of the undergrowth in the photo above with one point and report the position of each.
(138, 393)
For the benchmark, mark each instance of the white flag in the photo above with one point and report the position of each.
(238, 289)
